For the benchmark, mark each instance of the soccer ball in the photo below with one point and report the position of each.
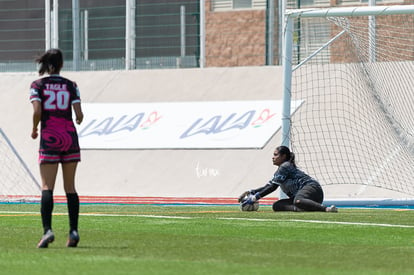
(250, 207)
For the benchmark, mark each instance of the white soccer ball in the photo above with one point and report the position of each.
(250, 207)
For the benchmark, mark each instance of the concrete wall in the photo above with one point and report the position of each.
(198, 173)
(178, 173)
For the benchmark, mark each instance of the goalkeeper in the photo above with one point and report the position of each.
(304, 193)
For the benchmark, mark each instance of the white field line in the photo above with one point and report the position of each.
(328, 222)
(241, 219)
(359, 223)
(136, 215)
(100, 215)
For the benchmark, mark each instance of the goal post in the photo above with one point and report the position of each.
(355, 79)
(17, 182)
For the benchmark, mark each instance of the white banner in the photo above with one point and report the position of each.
(180, 125)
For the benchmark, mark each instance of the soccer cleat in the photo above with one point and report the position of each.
(73, 239)
(332, 208)
(47, 238)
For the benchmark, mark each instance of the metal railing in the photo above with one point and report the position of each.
(101, 35)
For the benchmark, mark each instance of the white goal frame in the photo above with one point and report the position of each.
(25, 174)
(290, 15)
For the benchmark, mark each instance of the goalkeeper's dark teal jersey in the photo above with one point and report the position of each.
(291, 179)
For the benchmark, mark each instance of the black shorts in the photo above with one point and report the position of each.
(58, 157)
(311, 191)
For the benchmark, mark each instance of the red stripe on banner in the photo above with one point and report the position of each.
(141, 200)
(163, 200)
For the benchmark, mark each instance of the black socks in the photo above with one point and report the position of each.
(73, 210)
(46, 208)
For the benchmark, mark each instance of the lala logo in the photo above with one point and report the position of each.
(151, 120)
(264, 117)
(219, 124)
(110, 125)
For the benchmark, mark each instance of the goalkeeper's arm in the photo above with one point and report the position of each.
(265, 190)
(256, 194)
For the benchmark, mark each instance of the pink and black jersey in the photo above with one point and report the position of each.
(58, 132)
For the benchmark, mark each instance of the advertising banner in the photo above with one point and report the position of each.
(180, 125)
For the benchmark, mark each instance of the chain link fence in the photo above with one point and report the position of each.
(166, 33)
(147, 34)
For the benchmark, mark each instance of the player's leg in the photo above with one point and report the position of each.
(69, 171)
(284, 205)
(310, 198)
(48, 173)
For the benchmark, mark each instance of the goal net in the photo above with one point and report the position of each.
(353, 68)
(17, 183)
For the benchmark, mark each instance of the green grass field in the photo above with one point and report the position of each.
(148, 239)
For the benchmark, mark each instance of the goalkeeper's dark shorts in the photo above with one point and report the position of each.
(311, 191)
(310, 198)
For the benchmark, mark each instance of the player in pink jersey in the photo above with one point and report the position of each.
(53, 98)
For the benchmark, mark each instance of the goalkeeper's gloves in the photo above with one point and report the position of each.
(242, 197)
(252, 198)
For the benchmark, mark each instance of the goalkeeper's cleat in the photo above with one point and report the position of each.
(47, 238)
(332, 208)
(73, 239)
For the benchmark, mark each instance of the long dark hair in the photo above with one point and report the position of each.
(290, 156)
(50, 62)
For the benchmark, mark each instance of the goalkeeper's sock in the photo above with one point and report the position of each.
(46, 208)
(73, 210)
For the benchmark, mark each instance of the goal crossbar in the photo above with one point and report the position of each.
(352, 11)
(290, 15)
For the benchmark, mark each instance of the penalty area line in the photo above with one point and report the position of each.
(135, 215)
(358, 223)
(254, 219)
(19, 213)
(324, 222)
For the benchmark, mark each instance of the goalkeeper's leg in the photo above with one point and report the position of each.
(284, 205)
(310, 198)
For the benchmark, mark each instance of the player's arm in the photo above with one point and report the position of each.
(37, 114)
(265, 190)
(249, 197)
(76, 104)
(78, 112)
